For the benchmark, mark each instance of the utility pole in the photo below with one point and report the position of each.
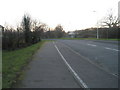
(97, 31)
(97, 27)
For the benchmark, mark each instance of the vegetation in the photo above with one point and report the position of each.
(104, 33)
(27, 33)
(109, 28)
(58, 32)
(14, 61)
(20, 43)
(110, 20)
(87, 39)
(0, 69)
(31, 31)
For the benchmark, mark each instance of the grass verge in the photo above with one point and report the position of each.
(0, 69)
(14, 61)
(90, 39)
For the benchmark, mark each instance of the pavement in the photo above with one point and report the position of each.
(47, 70)
(73, 64)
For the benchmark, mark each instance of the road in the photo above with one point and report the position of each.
(82, 63)
(103, 54)
(47, 70)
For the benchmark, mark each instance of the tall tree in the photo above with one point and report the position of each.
(110, 20)
(59, 32)
(26, 23)
(38, 29)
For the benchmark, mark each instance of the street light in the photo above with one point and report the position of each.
(97, 27)
(97, 31)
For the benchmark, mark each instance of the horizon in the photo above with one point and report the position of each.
(71, 14)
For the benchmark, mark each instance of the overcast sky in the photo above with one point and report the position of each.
(71, 14)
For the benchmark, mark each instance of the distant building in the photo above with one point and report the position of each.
(71, 34)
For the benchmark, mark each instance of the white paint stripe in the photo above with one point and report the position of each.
(92, 45)
(105, 47)
(70, 68)
(111, 49)
(90, 61)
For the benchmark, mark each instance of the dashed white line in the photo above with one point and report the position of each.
(92, 45)
(70, 68)
(111, 49)
(91, 61)
(104, 47)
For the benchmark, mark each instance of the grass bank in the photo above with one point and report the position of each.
(14, 61)
(0, 69)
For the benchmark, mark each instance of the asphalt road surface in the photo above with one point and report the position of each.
(103, 54)
(73, 64)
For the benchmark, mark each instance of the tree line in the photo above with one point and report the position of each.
(109, 28)
(27, 33)
(105, 33)
(58, 32)
(31, 31)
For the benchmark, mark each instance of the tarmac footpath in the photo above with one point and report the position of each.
(47, 70)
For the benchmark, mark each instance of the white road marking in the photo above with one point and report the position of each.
(111, 49)
(92, 45)
(90, 61)
(70, 68)
(104, 47)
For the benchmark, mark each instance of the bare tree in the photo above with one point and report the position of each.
(28, 32)
(38, 29)
(110, 20)
(59, 32)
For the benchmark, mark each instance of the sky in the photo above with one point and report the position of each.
(71, 14)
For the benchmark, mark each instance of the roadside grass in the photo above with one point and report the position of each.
(89, 39)
(14, 61)
(0, 82)
(0, 69)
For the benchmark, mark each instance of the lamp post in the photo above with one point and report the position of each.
(97, 27)
(97, 31)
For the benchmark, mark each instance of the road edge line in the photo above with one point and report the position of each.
(91, 61)
(80, 81)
